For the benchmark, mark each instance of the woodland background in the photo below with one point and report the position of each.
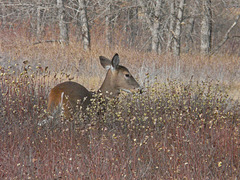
(159, 26)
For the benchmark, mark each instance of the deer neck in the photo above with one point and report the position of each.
(108, 87)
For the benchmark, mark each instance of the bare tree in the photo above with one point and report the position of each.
(3, 15)
(63, 26)
(156, 28)
(39, 19)
(178, 29)
(206, 28)
(189, 27)
(155, 25)
(108, 27)
(132, 22)
(226, 36)
(84, 23)
(152, 10)
(171, 25)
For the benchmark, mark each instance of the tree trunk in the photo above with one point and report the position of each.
(63, 26)
(108, 26)
(85, 27)
(156, 28)
(171, 25)
(153, 20)
(178, 29)
(4, 15)
(133, 18)
(39, 20)
(206, 28)
(189, 30)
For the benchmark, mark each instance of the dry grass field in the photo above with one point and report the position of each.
(184, 126)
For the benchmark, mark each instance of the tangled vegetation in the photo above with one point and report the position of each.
(174, 130)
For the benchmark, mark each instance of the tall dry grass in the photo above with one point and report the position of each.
(185, 125)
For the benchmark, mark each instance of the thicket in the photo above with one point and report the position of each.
(174, 130)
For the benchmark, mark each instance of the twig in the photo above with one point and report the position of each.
(226, 37)
(47, 41)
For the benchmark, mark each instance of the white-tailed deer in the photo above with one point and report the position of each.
(72, 94)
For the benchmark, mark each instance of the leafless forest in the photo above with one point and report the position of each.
(184, 53)
(159, 26)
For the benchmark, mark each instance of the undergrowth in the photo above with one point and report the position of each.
(174, 130)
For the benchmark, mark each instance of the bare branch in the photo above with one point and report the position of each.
(226, 36)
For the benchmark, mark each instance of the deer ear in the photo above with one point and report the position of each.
(115, 61)
(105, 62)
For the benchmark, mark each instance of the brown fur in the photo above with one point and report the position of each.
(118, 77)
(72, 92)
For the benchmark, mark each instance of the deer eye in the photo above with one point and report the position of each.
(127, 75)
